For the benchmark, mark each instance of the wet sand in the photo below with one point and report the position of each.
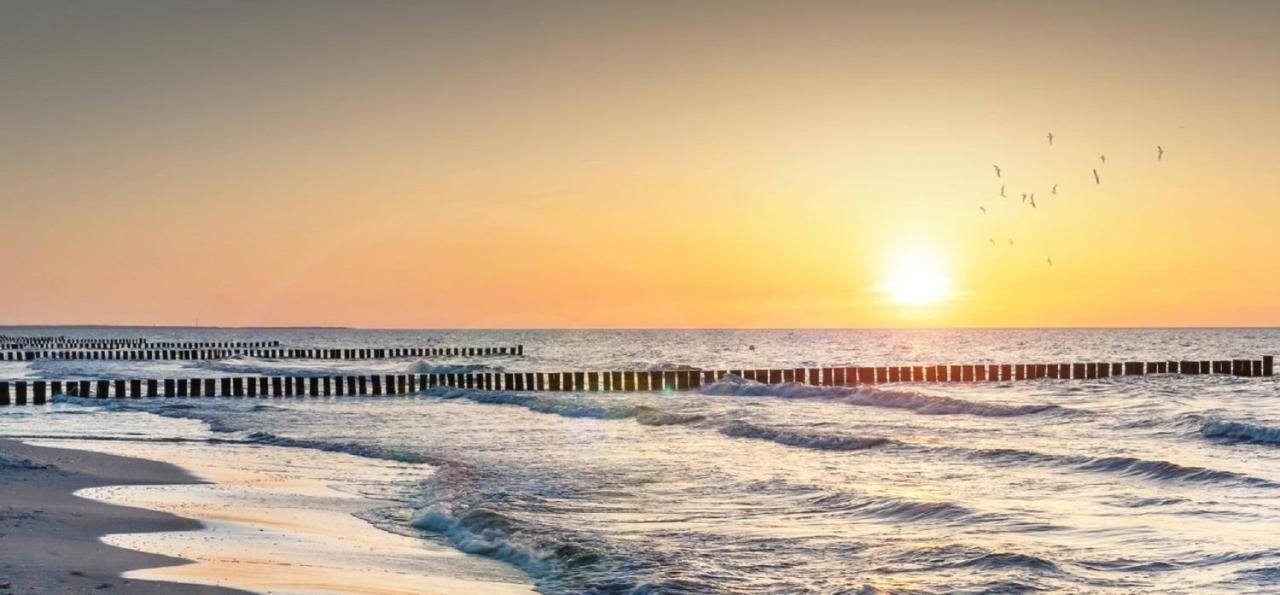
(50, 538)
(274, 522)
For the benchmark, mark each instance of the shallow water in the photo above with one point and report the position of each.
(1122, 485)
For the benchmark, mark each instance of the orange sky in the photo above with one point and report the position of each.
(637, 164)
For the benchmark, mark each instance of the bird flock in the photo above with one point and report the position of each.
(1029, 198)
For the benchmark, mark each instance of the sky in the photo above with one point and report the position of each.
(639, 164)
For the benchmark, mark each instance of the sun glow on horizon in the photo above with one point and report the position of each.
(915, 278)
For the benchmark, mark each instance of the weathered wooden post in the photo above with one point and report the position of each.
(38, 395)
(1268, 365)
(20, 392)
(644, 381)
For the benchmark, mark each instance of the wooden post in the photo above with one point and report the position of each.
(1268, 365)
(20, 392)
(38, 395)
(966, 373)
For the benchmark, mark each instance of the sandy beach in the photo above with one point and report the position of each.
(50, 539)
(261, 524)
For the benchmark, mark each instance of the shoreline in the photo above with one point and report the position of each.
(51, 538)
(280, 520)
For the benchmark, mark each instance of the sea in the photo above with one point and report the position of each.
(1139, 484)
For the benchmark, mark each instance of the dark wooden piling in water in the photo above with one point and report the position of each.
(23, 392)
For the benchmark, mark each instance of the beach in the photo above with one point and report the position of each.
(50, 539)
(229, 520)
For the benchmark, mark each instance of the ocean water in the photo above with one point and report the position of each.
(1122, 485)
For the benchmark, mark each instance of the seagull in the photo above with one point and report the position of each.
(1010, 241)
(1033, 200)
(1054, 190)
(1049, 260)
(1024, 197)
(984, 209)
(1050, 139)
(1103, 158)
(1002, 192)
(992, 240)
(1096, 179)
(997, 170)
(1159, 153)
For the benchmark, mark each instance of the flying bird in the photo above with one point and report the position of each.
(1049, 260)
(1054, 190)
(1002, 192)
(984, 209)
(1103, 158)
(1050, 139)
(1024, 198)
(992, 240)
(1096, 179)
(997, 169)
(1159, 153)
(1033, 200)
(1010, 241)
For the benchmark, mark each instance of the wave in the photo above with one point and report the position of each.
(250, 366)
(351, 448)
(575, 407)
(425, 367)
(1234, 431)
(952, 557)
(468, 506)
(894, 509)
(1120, 465)
(817, 441)
(666, 366)
(875, 397)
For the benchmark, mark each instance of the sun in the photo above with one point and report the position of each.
(915, 278)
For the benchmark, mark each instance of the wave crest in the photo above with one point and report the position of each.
(874, 397)
(817, 441)
(1241, 432)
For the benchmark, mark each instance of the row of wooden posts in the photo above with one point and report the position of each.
(660, 380)
(70, 343)
(59, 341)
(274, 353)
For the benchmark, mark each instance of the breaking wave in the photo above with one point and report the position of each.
(875, 397)
(575, 407)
